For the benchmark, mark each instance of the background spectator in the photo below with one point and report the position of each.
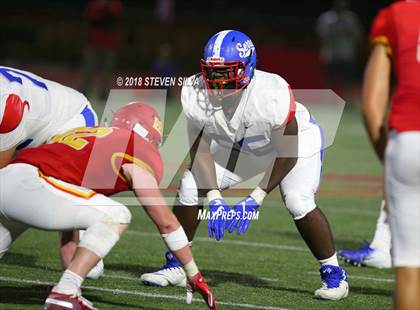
(103, 17)
(340, 34)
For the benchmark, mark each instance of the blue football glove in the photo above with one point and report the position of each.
(218, 214)
(242, 211)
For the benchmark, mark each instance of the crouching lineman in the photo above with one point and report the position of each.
(67, 182)
(233, 106)
(32, 111)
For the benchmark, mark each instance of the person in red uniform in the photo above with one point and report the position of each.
(395, 35)
(65, 185)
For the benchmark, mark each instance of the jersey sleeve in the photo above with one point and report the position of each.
(144, 155)
(285, 106)
(382, 31)
(12, 117)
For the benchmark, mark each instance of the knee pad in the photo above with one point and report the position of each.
(100, 238)
(298, 204)
(114, 211)
(188, 192)
(121, 214)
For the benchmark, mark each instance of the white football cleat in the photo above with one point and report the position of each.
(97, 271)
(378, 259)
(171, 273)
(334, 283)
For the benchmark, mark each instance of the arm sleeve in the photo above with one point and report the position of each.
(382, 31)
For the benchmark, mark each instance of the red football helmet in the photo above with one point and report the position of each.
(141, 118)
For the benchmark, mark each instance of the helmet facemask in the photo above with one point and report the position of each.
(224, 79)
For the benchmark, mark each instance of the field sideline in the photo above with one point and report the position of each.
(267, 268)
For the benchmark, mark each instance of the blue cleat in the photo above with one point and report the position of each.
(171, 273)
(366, 256)
(356, 257)
(334, 283)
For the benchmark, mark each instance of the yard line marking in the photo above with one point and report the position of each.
(107, 275)
(270, 279)
(143, 294)
(116, 276)
(235, 242)
(262, 245)
(363, 278)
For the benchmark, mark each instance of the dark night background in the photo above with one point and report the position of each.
(48, 37)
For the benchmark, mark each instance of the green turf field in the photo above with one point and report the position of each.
(267, 268)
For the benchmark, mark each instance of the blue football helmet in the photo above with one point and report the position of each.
(228, 63)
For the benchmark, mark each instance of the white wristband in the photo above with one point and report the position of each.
(214, 194)
(176, 240)
(191, 268)
(258, 194)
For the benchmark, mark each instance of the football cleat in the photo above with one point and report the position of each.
(59, 301)
(378, 259)
(334, 283)
(171, 273)
(198, 284)
(97, 271)
(366, 256)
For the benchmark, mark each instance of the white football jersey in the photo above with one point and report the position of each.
(267, 103)
(49, 107)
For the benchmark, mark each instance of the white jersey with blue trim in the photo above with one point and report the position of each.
(48, 110)
(266, 104)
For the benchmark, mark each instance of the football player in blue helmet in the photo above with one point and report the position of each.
(229, 63)
(268, 112)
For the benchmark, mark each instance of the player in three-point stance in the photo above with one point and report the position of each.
(67, 183)
(32, 111)
(242, 117)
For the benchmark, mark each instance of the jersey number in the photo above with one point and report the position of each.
(76, 138)
(13, 78)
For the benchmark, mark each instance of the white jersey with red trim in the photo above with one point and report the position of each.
(266, 104)
(33, 109)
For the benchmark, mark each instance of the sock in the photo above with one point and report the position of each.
(382, 238)
(69, 283)
(190, 243)
(329, 261)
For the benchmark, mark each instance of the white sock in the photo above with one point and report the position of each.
(69, 283)
(330, 261)
(382, 238)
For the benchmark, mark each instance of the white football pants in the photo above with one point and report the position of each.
(29, 199)
(402, 174)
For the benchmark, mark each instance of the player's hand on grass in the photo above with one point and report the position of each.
(243, 213)
(218, 215)
(198, 284)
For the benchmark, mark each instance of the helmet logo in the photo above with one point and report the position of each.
(245, 49)
(215, 59)
(157, 125)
